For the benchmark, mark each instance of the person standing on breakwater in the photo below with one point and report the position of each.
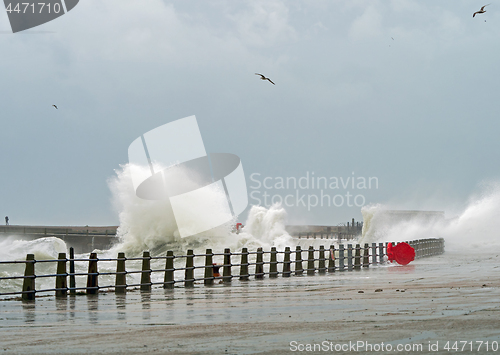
(6, 220)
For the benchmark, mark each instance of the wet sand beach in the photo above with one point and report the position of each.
(434, 300)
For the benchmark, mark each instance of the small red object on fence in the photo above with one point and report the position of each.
(216, 269)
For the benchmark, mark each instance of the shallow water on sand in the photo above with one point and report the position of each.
(434, 298)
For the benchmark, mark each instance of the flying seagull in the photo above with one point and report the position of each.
(482, 11)
(55, 107)
(264, 78)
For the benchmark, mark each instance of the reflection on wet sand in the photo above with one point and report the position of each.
(121, 306)
(29, 310)
(72, 306)
(93, 307)
(146, 305)
(62, 308)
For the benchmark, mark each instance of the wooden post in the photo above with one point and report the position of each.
(146, 272)
(92, 277)
(226, 274)
(286, 263)
(341, 257)
(29, 279)
(357, 258)
(349, 257)
(72, 281)
(273, 264)
(244, 264)
(380, 252)
(310, 262)
(321, 262)
(298, 261)
(121, 274)
(209, 268)
(374, 253)
(331, 259)
(189, 271)
(168, 280)
(61, 278)
(366, 256)
(259, 265)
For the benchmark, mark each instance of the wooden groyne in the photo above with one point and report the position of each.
(257, 265)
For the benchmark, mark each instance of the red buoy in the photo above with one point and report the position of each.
(402, 253)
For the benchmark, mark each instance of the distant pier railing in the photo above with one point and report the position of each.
(324, 235)
(256, 265)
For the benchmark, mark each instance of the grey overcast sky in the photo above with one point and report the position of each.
(405, 91)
